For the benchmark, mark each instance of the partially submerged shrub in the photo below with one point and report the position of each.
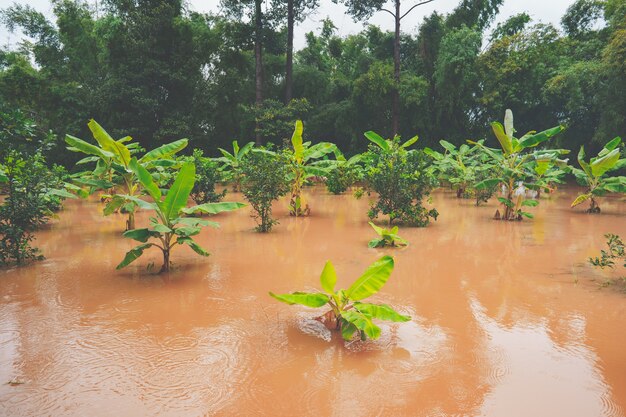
(616, 252)
(264, 181)
(345, 174)
(401, 179)
(347, 313)
(388, 237)
(32, 196)
(207, 175)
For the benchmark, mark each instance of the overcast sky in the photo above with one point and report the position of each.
(547, 11)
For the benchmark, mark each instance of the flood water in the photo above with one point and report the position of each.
(508, 319)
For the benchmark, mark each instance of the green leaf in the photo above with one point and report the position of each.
(377, 139)
(376, 243)
(378, 230)
(487, 184)
(60, 193)
(505, 141)
(528, 215)
(140, 235)
(409, 142)
(381, 311)
(133, 254)
(529, 141)
(164, 151)
(347, 330)
(146, 180)
(193, 245)
(328, 278)
(447, 146)
(613, 143)
(506, 202)
(296, 141)
(195, 222)
(87, 148)
(143, 204)
(178, 194)
(372, 280)
(187, 231)
(213, 208)
(161, 228)
(302, 298)
(580, 199)
(530, 203)
(362, 322)
(605, 163)
(108, 143)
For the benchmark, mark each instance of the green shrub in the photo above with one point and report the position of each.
(616, 252)
(401, 179)
(207, 175)
(264, 180)
(28, 204)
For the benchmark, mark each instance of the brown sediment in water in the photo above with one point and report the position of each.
(507, 320)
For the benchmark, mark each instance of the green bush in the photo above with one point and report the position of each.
(401, 180)
(264, 180)
(207, 175)
(28, 205)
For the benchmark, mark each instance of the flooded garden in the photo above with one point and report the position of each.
(507, 318)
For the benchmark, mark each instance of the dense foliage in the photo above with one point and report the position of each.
(156, 71)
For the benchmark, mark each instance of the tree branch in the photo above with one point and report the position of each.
(414, 6)
(390, 12)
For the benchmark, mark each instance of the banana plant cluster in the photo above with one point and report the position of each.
(514, 159)
(305, 161)
(593, 174)
(348, 313)
(462, 168)
(387, 237)
(113, 172)
(170, 226)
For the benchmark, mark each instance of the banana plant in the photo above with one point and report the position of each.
(170, 226)
(347, 313)
(593, 174)
(461, 167)
(112, 159)
(233, 162)
(512, 161)
(388, 237)
(304, 163)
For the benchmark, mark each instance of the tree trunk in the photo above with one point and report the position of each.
(258, 60)
(166, 261)
(289, 63)
(130, 223)
(395, 106)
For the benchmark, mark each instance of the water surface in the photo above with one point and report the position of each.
(508, 319)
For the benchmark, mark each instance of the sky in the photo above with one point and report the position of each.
(546, 11)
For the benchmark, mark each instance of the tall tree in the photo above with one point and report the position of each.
(363, 9)
(296, 11)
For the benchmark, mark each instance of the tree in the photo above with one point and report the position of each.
(362, 9)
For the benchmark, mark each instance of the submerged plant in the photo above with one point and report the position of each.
(207, 175)
(347, 313)
(264, 181)
(388, 237)
(113, 169)
(512, 161)
(345, 174)
(401, 179)
(593, 174)
(32, 195)
(303, 161)
(233, 162)
(616, 252)
(170, 226)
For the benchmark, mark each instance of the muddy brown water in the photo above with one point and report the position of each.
(508, 319)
